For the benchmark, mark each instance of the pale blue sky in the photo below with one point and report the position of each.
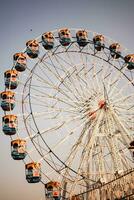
(113, 18)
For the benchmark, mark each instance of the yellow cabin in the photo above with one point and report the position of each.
(129, 59)
(99, 42)
(82, 37)
(11, 79)
(48, 40)
(18, 149)
(32, 49)
(33, 172)
(7, 100)
(115, 50)
(20, 61)
(131, 145)
(53, 190)
(64, 36)
(9, 124)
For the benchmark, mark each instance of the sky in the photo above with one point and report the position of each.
(17, 18)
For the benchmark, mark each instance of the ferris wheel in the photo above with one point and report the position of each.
(69, 110)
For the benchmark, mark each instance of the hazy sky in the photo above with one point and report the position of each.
(113, 18)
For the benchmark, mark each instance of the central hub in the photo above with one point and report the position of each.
(102, 104)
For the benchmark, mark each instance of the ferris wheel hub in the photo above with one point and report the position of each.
(102, 104)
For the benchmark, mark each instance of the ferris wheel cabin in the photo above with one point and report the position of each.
(129, 59)
(20, 61)
(9, 124)
(131, 147)
(82, 38)
(18, 149)
(53, 190)
(7, 100)
(32, 49)
(33, 172)
(48, 40)
(11, 79)
(99, 42)
(115, 50)
(64, 37)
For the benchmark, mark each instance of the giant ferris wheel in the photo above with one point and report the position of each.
(69, 110)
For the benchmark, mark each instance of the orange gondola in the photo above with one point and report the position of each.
(7, 100)
(64, 36)
(82, 38)
(9, 124)
(18, 149)
(11, 79)
(99, 42)
(53, 190)
(115, 50)
(129, 59)
(131, 145)
(33, 172)
(48, 40)
(32, 49)
(20, 61)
